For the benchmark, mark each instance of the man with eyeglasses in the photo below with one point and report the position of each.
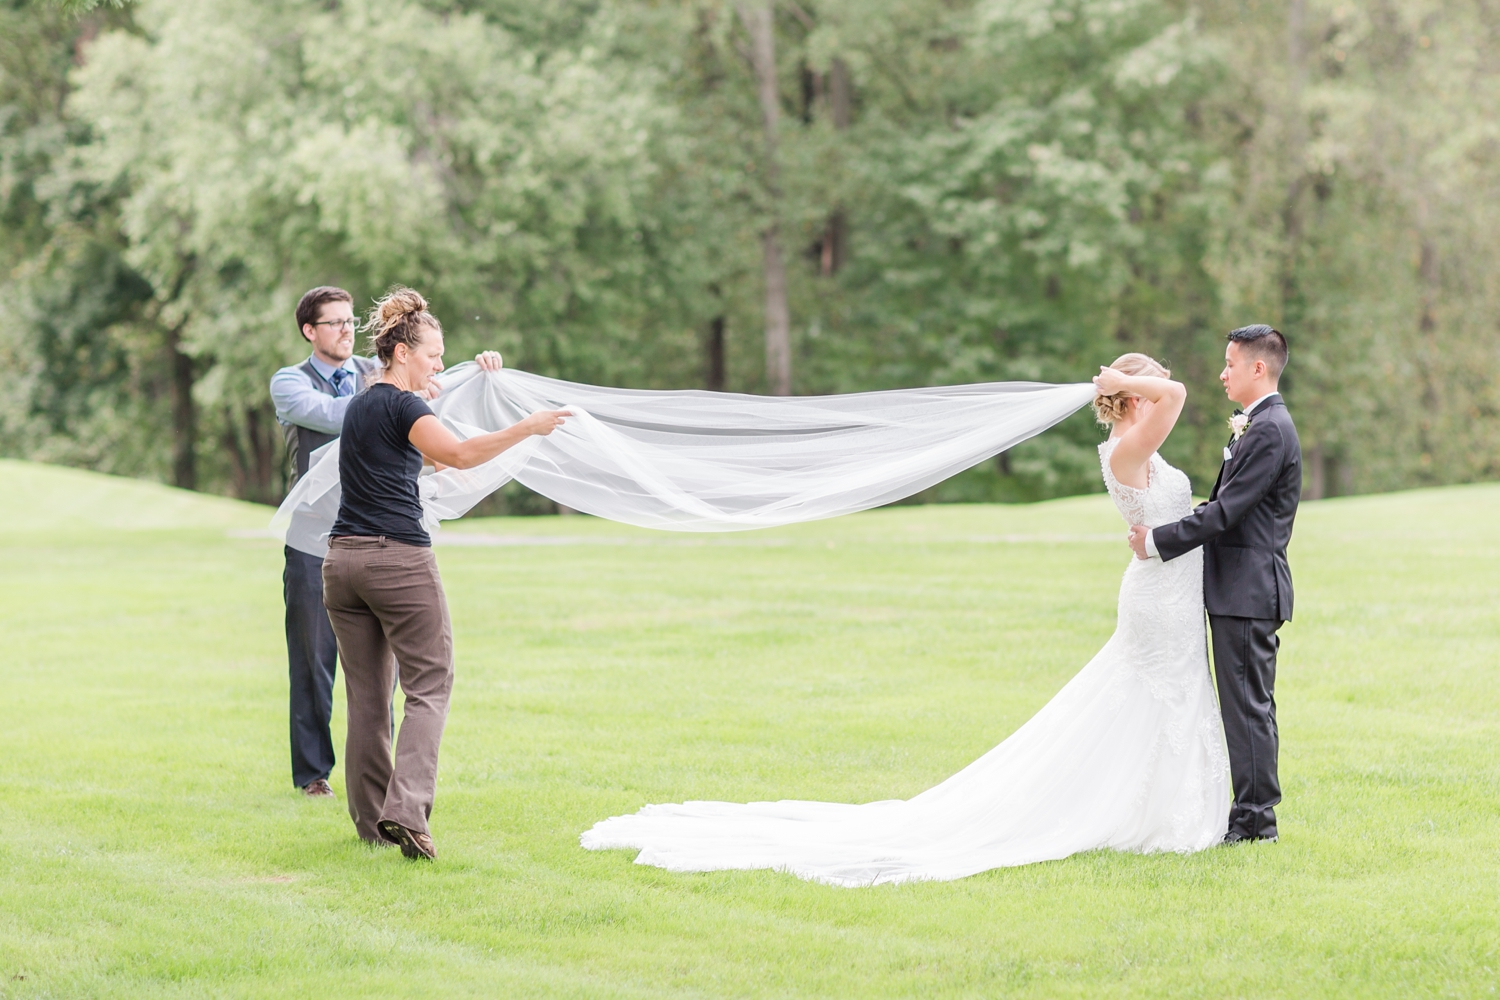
(311, 399)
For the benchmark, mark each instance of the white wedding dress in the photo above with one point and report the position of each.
(1129, 756)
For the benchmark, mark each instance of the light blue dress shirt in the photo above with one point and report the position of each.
(299, 402)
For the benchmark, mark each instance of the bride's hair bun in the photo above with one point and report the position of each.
(1108, 409)
(398, 318)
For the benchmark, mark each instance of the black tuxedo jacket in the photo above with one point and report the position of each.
(1246, 524)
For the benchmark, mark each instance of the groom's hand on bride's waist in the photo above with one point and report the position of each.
(1137, 540)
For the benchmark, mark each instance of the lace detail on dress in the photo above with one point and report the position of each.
(1168, 495)
(1161, 603)
(1129, 500)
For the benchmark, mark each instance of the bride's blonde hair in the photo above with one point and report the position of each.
(1108, 409)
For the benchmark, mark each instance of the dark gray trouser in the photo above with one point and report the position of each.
(312, 654)
(387, 607)
(1245, 665)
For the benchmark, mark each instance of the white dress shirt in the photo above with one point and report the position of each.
(299, 402)
(1151, 552)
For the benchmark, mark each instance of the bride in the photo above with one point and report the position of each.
(1129, 755)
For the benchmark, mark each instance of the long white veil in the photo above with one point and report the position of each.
(690, 460)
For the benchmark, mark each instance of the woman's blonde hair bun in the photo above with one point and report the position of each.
(398, 303)
(399, 317)
(1108, 409)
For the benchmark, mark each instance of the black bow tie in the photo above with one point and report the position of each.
(1238, 412)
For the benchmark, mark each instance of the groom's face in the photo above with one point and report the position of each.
(1244, 376)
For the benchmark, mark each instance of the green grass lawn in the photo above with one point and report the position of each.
(153, 846)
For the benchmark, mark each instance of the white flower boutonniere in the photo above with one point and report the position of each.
(1237, 425)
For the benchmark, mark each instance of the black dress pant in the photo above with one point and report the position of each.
(1245, 667)
(312, 654)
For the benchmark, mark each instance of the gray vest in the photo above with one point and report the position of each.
(301, 442)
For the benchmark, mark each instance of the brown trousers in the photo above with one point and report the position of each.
(385, 600)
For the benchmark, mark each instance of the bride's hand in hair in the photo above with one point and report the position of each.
(1109, 381)
(544, 422)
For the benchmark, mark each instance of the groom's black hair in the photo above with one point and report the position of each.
(1263, 342)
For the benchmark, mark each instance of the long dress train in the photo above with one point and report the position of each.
(1129, 755)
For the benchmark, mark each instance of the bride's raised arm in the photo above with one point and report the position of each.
(1151, 406)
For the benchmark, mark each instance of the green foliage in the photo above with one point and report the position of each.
(88, 385)
(155, 847)
(82, 6)
(363, 146)
(1021, 209)
(973, 190)
(1366, 157)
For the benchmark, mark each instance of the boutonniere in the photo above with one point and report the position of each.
(1238, 423)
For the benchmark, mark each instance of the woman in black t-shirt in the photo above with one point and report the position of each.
(380, 581)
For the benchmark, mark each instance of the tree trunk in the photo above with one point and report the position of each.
(759, 24)
(253, 457)
(184, 414)
(260, 426)
(715, 352)
(831, 253)
(840, 94)
(239, 468)
(835, 231)
(1296, 141)
(1427, 267)
(778, 319)
(1314, 477)
(1429, 355)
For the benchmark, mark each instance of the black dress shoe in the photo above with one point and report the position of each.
(414, 845)
(1235, 837)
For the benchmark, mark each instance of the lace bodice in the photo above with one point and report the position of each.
(1168, 495)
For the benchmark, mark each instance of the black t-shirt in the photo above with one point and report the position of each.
(379, 466)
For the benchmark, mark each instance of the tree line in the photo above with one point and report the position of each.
(776, 196)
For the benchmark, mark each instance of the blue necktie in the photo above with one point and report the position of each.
(339, 378)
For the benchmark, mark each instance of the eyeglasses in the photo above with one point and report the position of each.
(342, 324)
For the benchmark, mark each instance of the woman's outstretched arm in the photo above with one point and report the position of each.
(1128, 461)
(437, 443)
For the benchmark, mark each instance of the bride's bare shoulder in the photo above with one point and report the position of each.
(1125, 467)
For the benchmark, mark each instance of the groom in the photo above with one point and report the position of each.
(1247, 585)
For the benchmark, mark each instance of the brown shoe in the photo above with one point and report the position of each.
(318, 790)
(414, 845)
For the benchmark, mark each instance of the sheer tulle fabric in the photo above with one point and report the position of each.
(705, 461)
(1129, 755)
